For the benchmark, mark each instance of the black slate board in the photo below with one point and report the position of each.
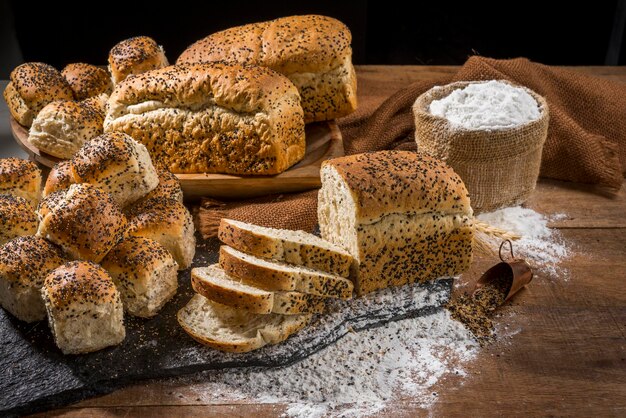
(36, 376)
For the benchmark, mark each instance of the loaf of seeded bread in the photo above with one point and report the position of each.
(276, 275)
(294, 247)
(234, 330)
(84, 308)
(312, 51)
(213, 283)
(63, 126)
(32, 86)
(212, 118)
(404, 217)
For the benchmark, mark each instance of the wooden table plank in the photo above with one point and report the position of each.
(568, 358)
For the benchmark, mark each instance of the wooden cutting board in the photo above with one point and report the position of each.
(323, 142)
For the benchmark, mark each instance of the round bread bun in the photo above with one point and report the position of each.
(145, 274)
(168, 222)
(32, 86)
(60, 178)
(21, 178)
(17, 218)
(117, 164)
(83, 220)
(63, 126)
(24, 264)
(87, 80)
(168, 188)
(84, 308)
(135, 56)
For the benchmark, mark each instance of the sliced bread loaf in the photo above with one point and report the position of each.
(276, 275)
(295, 247)
(229, 329)
(213, 283)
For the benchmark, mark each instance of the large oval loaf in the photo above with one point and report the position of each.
(212, 118)
(312, 51)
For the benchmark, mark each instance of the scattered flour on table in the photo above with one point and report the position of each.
(541, 246)
(490, 105)
(366, 372)
(359, 375)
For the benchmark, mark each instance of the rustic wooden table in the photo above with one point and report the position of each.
(568, 359)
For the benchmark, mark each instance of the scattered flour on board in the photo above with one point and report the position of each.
(540, 245)
(359, 375)
(490, 105)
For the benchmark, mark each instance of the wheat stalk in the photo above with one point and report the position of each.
(483, 239)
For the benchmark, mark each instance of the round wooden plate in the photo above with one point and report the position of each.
(323, 142)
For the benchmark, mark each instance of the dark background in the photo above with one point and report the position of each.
(384, 32)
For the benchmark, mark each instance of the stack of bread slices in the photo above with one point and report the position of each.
(267, 285)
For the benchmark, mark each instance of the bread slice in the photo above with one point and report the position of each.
(276, 275)
(213, 283)
(295, 247)
(229, 329)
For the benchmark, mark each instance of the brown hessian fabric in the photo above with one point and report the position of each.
(586, 140)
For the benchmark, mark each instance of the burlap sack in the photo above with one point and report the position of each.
(500, 167)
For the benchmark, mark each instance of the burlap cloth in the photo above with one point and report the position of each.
(499, 167)
(586, 138)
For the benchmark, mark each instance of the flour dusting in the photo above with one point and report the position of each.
(489, 105)
(541, 246)
(360, 375)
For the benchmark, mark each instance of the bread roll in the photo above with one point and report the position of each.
(59, 178)
(21, 178)
(63, 126)
(403, 216)
(169, 223)
(135, 56)
(24, 264)
(145, 274)
(83, 220)
(84, 308)
(212, 118)
(87, 80)
(17, 218)
(32, 86)
(117, 164)
(312, 51)
(168, 188)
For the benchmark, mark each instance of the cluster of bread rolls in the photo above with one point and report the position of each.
(65, 109)
(109, 235)
(235, 102)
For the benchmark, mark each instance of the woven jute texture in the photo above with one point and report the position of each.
(499, 167)
(586, 136)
